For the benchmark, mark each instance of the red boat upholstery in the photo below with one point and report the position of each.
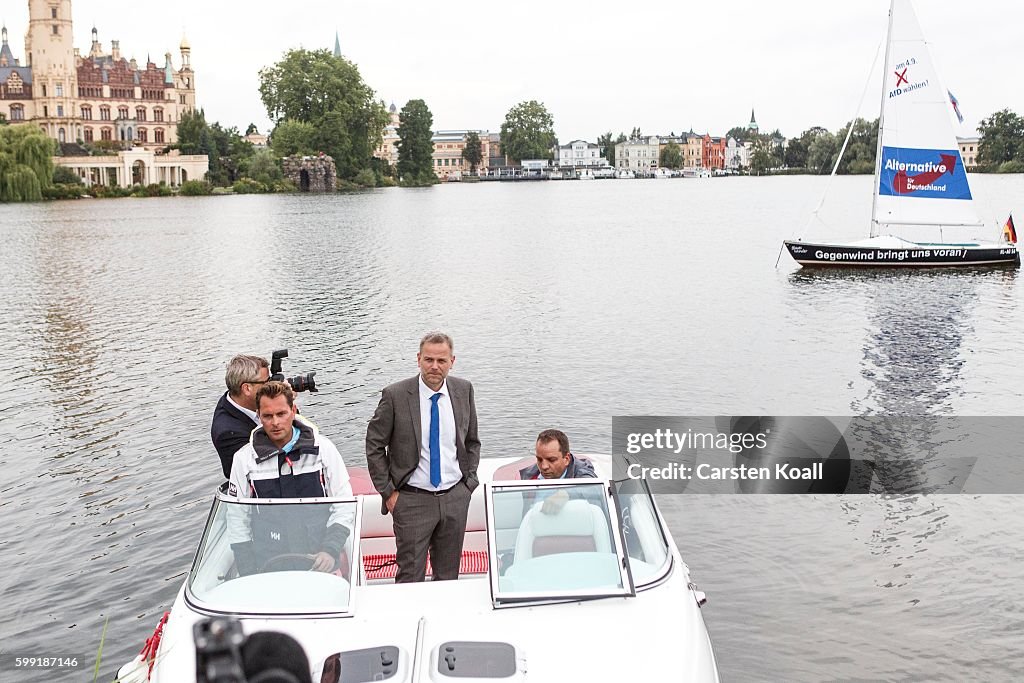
(384, 566)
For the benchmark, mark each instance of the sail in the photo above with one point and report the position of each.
(920, 175)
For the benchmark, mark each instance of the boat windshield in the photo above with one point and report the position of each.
(643, 533)
(287, 556)
(555, 540)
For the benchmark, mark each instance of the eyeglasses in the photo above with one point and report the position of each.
(256, 381)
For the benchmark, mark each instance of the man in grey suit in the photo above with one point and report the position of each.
(422, 451)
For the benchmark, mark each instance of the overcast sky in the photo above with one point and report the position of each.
(663, 66)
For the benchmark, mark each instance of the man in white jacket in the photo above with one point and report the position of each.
(287, 457)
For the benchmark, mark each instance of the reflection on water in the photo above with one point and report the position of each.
(569, 303)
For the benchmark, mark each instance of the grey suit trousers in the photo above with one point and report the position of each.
(425, 522)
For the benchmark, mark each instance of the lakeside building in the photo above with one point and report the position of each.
(495, 157)
(693, 152)
(737, 154)
(388, 148)
(713, 151)
(259, 141)
(137, 166)
(640, 154)
(969, 151)
(448, 148)
(579, 154)
(98, 98)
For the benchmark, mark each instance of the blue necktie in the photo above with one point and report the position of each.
(435, 441)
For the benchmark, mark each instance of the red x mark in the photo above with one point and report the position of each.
(901, 77)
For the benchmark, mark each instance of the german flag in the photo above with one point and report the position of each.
(1009, 233)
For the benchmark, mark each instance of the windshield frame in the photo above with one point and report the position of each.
(504, 598)
(664, 569)
(352, 542)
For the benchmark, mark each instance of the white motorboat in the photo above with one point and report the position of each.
(662, 173)
(625, 175)
(591, 588)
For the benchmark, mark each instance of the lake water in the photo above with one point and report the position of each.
(569, 302)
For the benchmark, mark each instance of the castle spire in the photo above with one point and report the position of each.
(337, 45)
(6, 57)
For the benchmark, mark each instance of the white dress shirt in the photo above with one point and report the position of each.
(451, 474)
(250, 413)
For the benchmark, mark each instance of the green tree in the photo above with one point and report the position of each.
(195, 137)
(293, 137)
(860, 152)
(763, 156)
(415, 145)
(796, 153)
(473, 152)
(740, 133)
(1002, 140)
(62, 175)
(821, 153)
(528, 132)
(26, 163)
(190, 132)
(798, 150)
(607, 144)
(263, 167)
(332, 136)
(315, 87)
(671, 156)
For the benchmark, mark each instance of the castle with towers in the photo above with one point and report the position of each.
(93, 97)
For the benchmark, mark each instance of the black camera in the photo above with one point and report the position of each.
(225, 655)
(299, 382)
(219, 651)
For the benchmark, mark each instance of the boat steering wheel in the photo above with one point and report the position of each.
(289, 557)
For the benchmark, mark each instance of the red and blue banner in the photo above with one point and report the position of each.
(926, 173)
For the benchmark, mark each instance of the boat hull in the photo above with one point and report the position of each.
(910, 255)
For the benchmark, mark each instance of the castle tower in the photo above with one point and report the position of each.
(186, 78)
(96, 50)
(49, 48)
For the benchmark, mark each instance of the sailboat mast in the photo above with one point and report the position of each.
(881, 124)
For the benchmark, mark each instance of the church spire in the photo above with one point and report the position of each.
(337, 45)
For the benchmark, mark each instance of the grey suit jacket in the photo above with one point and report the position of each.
(394, 434)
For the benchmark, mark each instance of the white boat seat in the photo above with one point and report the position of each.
(578, 527)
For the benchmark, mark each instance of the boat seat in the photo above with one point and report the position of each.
(359, 478)
(577, 527)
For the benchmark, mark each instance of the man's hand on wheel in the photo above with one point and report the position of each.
(322, 562)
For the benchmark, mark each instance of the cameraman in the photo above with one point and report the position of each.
(235, 415)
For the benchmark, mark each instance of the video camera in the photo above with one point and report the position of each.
(225, 655)
(299, 382)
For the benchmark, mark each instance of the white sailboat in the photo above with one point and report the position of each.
(920, 180)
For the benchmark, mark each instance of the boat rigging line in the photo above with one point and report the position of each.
(842, 151)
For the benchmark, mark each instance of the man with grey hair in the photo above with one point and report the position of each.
(235, 415)
(423, 451)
